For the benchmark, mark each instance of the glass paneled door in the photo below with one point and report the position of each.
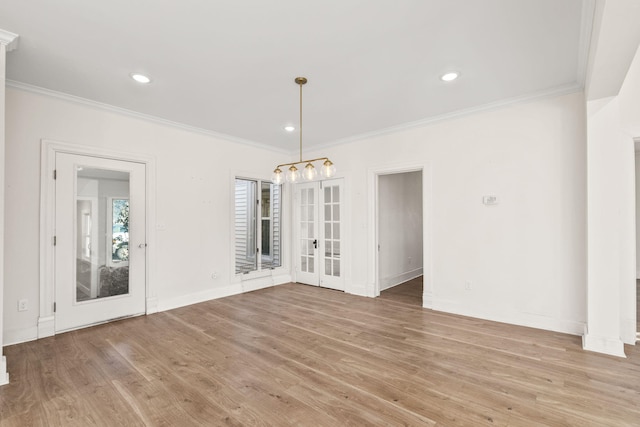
(100, 249)
(319, 237)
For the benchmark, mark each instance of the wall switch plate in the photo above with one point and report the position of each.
(490, 200)
(23, 305)
(467, 285)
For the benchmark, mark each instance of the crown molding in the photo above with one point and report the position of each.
(584, 44)
(9, 40)
(146, 117)
(551, 93)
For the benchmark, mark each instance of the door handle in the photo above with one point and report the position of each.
(142, 245)
(315, 244)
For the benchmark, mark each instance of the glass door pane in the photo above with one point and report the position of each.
(102, 233)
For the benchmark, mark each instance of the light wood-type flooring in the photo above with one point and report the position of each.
(297, 355)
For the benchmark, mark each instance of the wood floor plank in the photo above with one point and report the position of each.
(305, 356)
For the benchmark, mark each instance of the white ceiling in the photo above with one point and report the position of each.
(227, 66)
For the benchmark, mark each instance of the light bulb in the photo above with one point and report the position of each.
(293, 175)
(277, 178)
(328, 169)
(310, 173)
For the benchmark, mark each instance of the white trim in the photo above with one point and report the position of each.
(584, 44)
(512, 317)
(550, 93)
(399, 279)
(17, 336)
(49, 149)
(372, 241)
(9, 40)
(605, 345)
(222, 292)
(142, 116)
(4, 375)
(46, 326)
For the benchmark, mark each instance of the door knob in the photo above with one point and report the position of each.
(142, 245)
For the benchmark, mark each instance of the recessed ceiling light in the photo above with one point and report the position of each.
(449, 77)
(289, 128)
(140, 78)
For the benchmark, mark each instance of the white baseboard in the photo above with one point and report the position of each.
(504, 316)
(605, 345)
(628, 332)
(152, 305)
(264, 282)
(17, 336)
(360, 289)
(46, 326)
(390, 282)
(4, 375)
(197, 297)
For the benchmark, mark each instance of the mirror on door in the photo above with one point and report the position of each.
(102, 233)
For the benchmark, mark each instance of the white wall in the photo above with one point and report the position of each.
(399, 227)
(193, 197)
(613, 123)
(526, 257)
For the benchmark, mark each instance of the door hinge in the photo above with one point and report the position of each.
(55, 240)
(54, 307)
(55, 174)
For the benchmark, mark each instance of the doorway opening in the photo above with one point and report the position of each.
(400, 236)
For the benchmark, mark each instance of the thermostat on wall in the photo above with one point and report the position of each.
(490, 200)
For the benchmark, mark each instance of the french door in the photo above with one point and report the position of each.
(319, 234)
(100, 234)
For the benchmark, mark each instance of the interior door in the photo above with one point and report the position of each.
(319, 239)
(100, 249)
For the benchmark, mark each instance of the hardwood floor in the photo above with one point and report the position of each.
(409, 292)
(305, 356)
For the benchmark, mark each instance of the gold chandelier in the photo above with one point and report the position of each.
(309, 172)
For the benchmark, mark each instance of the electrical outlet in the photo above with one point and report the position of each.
(467, 285)
(214, 275)
(23, 305)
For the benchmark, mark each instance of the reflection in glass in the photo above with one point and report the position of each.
(102, 233)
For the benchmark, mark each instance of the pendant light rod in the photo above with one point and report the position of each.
(309, 173)
(301, 81)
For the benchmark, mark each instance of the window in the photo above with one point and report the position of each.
(257, 225)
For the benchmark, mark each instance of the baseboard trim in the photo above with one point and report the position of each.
(198, 297)
(359, 289)
(152, 305)
(511, 317)
(46, 326)
(4, 375)
(398, 279)
(18, 336)
(605, 345)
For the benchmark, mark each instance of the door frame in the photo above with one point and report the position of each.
(48, 151)
(373, 289)
(345, 234)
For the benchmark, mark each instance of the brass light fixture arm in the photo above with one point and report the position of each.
(302, 161)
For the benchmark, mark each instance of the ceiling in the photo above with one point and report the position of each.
(227, 67)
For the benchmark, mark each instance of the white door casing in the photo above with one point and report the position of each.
(49, 151)
(318, 234)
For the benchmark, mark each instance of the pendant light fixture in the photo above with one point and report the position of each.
(309, 172)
